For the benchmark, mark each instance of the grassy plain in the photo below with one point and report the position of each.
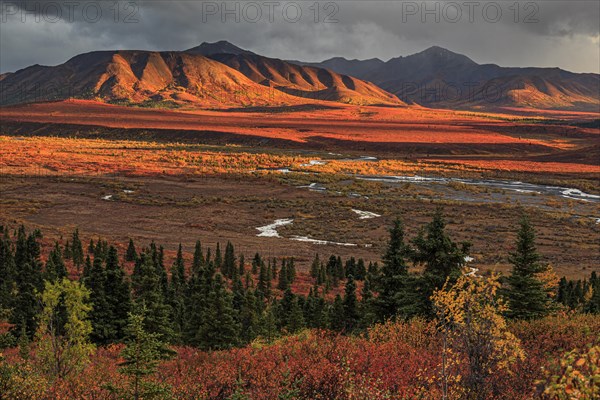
(152, 188)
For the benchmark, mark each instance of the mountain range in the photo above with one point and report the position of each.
(222, 74)
(438, 77)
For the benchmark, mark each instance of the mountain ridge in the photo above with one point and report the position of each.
(210, 73)
(176, 78)
(438, 77)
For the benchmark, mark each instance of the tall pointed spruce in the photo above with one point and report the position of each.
(526, 295)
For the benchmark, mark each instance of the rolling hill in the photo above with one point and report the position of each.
(221, 74)
(235, 78)
(139, 77)
(304, 81)
(438, 77)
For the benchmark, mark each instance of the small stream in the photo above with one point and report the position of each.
(521, 187)
(516, 186)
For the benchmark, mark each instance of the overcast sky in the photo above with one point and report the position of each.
(547, 33)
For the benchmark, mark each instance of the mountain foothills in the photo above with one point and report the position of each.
(438, 77)
(223, 75)
(235, 78)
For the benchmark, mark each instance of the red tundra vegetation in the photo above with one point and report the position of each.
(395, 360)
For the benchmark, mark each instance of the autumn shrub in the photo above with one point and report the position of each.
(393, 360)
(576, 376)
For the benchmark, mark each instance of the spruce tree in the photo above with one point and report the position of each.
(330, 269)
(295, 319)
(315, 310)
(264, 283)
(195, 299)
(249, 317)
(315, 266)
(159, 263)
(28, 281)
(229, 268)
(131, 254)
(290, 314)
(143, 352)
(118, 295)
(351, 315)
(87, 267)
(368, 315)
(67, 254)
(177, 293)
(268, 323)
(392, 282)
(526, 295)
(218, 329)
(100, 249)
(340, 272)
(442, 259)
(256, 263)
(239, 294)
(283, 283)
(8, 274)
(148, 294)
(55, 266)
(198, 262)
(336, 313)
(322, 276)
(593, 305)
(441, 256)
(242, 267)
(373, 269)
(361, 270)
(100, 314)
(77, 250)
(351, 267)
(274, 271)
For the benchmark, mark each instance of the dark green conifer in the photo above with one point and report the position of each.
(526, 295)
(336, 313)
(368, 314)
(593, 305)
(351, 267)
(256, 263)
(351, 315)
(118, 295)
(8, 274)
(100, 315)
(242, 267)
(315, 267)
(392, 282)
(55, 266)
(229, 268)
(148, 294)
(77, 250)
(442, 257)
(361, 270)
(67, 254)
(28, 281)
(218, 329)
(199, 262)
(290, 270)
(264, 284)
(283, 283)
(177, 289)
(131, 254)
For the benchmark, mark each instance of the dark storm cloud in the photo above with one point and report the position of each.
(542, 33)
